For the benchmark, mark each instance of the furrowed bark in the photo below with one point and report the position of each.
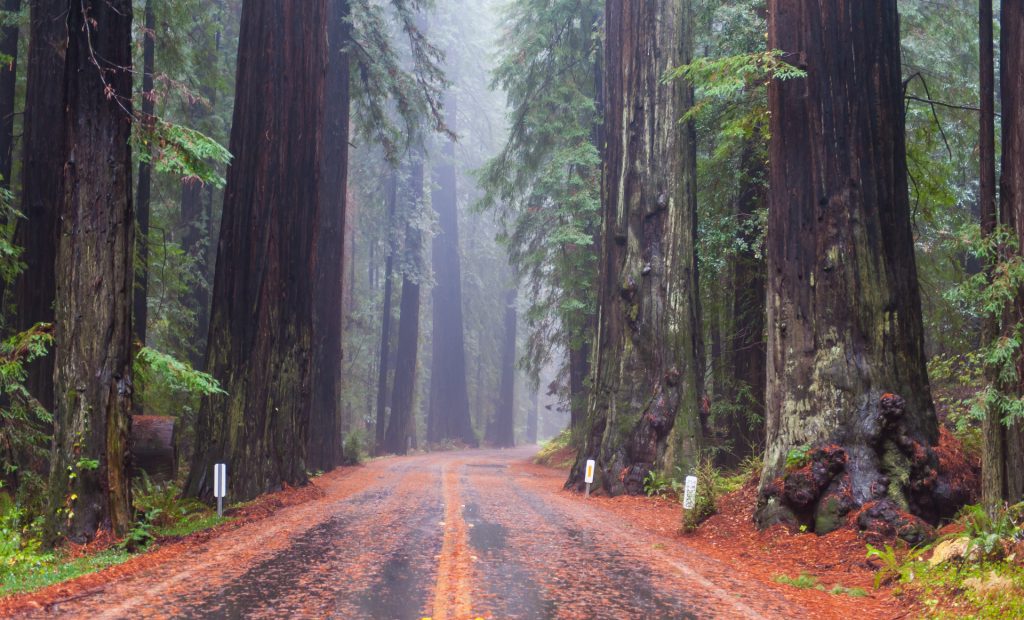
(846, 364)
(89, 485)
(8, 84)
(262, 320)
(644, 406)
(145, 183)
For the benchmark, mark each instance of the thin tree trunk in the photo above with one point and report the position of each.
(504, 433)
(648, 375)
(42, 169)
(325, 441)
(385, 327)
(8, 88)
(533, 418)
(844, 314)
(1011, 194)
(141, 290)
(401, 432)
(262, 324)
(94, 278)
(448, 414)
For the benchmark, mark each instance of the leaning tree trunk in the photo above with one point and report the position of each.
(644, 407)
(8, 87)
(1005, 477)
(384, 362)
(401, 431)
(145, 185)
(325, 449)
(503, 435)
(41, 170)
(847, 388)
(448, 412)
(89, 484)
(261, 328)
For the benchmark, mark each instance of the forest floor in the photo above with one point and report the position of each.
(474, 534)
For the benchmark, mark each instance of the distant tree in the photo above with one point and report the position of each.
(502, 429)
(144, 188)
(644, 411)
(89, 486)
(8, 88)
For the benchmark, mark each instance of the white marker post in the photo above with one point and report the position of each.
(690, 493)
(589, 477)
(220, 486)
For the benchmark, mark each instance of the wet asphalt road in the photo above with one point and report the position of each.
(444, 535)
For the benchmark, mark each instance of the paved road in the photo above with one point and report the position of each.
(445, 535)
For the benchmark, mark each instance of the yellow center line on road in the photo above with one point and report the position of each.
(452, 595)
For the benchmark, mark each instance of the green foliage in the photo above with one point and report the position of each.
(807, 581)
(987, 531)
(20, 547)
(55, 569)
(154, 368)
(354, 447)
(708, 483)
(798, 456)
(180, 151)
(657, 483)
(554, 452)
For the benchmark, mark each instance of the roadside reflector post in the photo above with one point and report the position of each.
(690, 493)
(589, 477)
(220, 486)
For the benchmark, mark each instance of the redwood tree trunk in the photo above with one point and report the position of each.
(844, 311)
(644, 407)
(141, 291)
(42, 170)
(8, 84)
(383, 368)
(1008, 476)
(448, 413)
(262, 321)
(325, 423)
(401, 432)
(503, 434)
(94, 278)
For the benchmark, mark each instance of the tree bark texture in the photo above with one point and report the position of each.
(401, 431)
(644, 407)
(325, 440)
(262, 319)
(145, 184)
(384, 364)
(1005, 443)
(448, 412)
(89, 484)
(846, 364)
(504, 432)
(41, 170)
(8, 88)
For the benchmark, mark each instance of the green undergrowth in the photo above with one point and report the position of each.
(805, 581)
(53, 568)
(556, 452)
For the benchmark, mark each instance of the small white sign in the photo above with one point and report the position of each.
(220, 480)
(589, 478)
(690, 493)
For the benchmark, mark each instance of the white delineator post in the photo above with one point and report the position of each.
(220, 486)
(690, 493)
(589, 477)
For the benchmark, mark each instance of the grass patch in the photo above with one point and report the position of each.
(557, 451)
(805, 581)
(190, 525)
(28, 577)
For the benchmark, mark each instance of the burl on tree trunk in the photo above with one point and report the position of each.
(849, 409)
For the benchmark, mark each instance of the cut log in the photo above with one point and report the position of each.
(154, 447)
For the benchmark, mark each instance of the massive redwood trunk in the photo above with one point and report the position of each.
(644, 406)
(89, 485)
(325, 424)
(8, 87)
(401, 431)
(1004, 444)
(262, 322)
(502, 433)
(41, 171)
(846, 365)
(448, 413)
(145, 185)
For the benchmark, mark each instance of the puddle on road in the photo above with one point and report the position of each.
(487, 538)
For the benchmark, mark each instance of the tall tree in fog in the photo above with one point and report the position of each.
(145, 181)
(42, 168)
(384, 360)
(501, 431)
(844, 311)
(89, 486)
(448, 411)
(401, 430)
(1004, 442)
(325, 415)
(648, 377)
(262, 320)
